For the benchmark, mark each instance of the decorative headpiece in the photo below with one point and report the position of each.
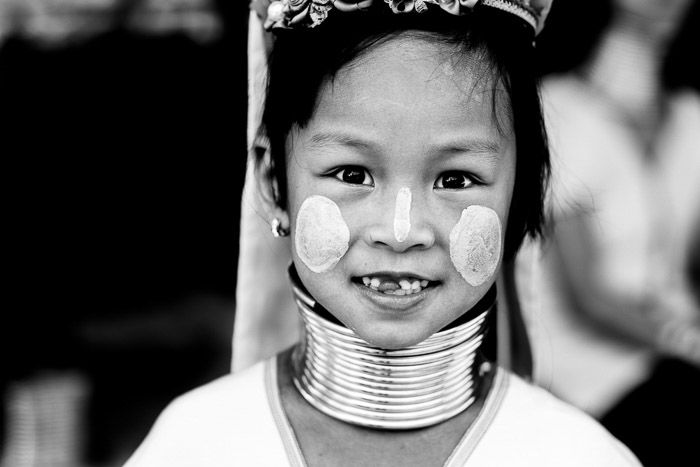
(298, 14)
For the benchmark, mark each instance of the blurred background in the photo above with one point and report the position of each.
(123, 139)
(122, 131)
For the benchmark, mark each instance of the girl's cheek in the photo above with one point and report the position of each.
(321, 236)
(475, 244)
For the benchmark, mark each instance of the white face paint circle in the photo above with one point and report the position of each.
(475, 244)
(322, 236)
(402, 215)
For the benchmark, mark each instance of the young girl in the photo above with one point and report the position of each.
(406, 160)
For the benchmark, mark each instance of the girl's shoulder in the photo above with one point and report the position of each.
(532, 427)
(223, 422)
(214, 401)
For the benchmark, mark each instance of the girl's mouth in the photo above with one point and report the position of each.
(406, 285)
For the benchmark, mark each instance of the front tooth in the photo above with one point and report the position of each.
(423, 283)
(374, 283)
(415, 284)
(405, 285)
(366, 280)
(400, 291)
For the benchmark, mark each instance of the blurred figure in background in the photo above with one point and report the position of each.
(124, 188)
(57, 23)
(609, 294)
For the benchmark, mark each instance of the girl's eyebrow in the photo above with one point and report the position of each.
(325, 139)
(456, 146)
(469, 145)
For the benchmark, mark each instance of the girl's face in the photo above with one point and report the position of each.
(403, 141)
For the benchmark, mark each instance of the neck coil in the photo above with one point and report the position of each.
(346, 378)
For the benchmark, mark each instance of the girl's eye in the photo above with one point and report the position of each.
(454, 180)
(354, 175)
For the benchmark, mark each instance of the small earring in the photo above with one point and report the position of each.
(277, 230)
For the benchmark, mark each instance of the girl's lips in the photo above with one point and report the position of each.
(392, 301)
(396, 275)
(394, 283)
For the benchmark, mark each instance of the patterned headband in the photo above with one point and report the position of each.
(298, 14)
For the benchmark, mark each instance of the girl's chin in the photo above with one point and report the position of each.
(391, 339)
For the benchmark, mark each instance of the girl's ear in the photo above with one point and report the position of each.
(268, 188)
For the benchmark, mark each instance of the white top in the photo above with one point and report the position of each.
(238, 420)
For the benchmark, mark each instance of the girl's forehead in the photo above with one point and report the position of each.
(423, 64)
(413, 84)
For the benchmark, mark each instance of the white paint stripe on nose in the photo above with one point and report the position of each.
(402, 214)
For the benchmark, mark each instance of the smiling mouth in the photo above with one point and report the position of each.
(407, 285)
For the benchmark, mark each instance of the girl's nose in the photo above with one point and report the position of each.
(403, 224)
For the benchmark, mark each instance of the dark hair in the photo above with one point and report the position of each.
(302, 60)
